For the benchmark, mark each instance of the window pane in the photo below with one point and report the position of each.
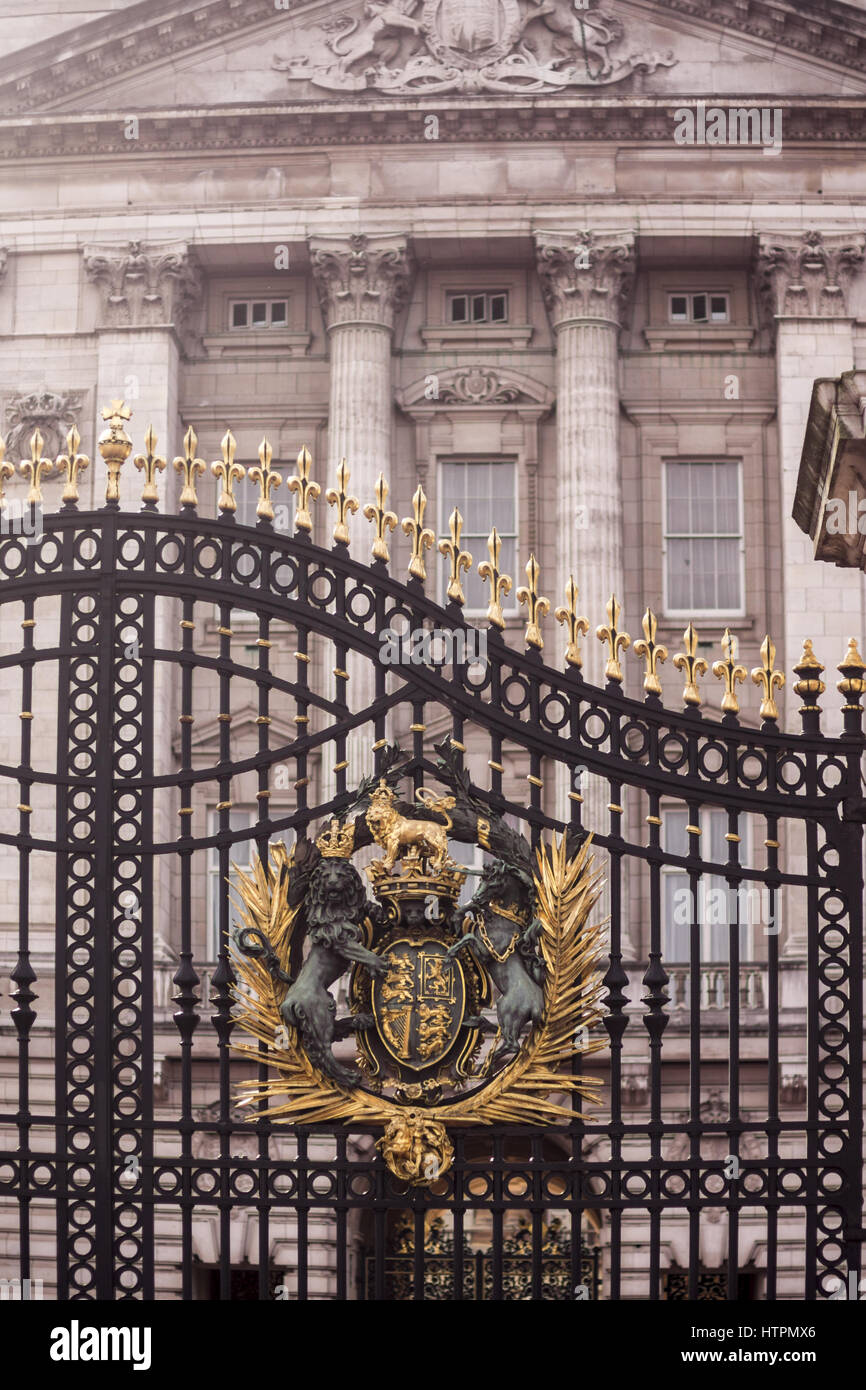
(679, 308)
(498, 308)
(679, 574)
(699, 308)
(239, 316)
(730, 592)
(260, 314)
(719, 308)
(479, 306)
(676, 916)
(278, 311)
(458, 308)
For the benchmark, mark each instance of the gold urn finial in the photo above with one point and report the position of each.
(149, 463)
(693, 665)
(851, 667)
(307, 492)
(346, 506)
(500, 584)
(768, 679)
(458, 559)
(610, 634)
(537, 606)
(229, 472)
(115, 445)
(267, 479)
(810, 685)
(422, 537)
(652, 653)
(575, 624)
(730, 672)
(36, 468)
(191, 468)
(383, 520)
(72, 464)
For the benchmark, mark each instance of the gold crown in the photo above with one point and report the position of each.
(413, 882)
(337, 842)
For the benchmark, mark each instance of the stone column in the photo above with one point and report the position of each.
(803, 280)
(586, 279)
(363, 283)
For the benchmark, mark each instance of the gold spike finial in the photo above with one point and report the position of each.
(500, 584)
(575, 625)
(339, 497)
(115, 445)
(652, 653)
(421, 535)
(191, 468)
(810, 685)
(457, 558)
(852, 666)
(538, 607)
(382, 519)
(610, 634)
(307, 492)
(6, 472)
(148, 464)
(693, 665)
(71, 464)
(768, 679)
(730, 672)
(267, 479)
(35, 468)
(229, 471)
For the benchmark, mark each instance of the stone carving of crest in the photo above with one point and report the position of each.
(51, 412)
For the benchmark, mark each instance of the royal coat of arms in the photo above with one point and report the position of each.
(459, 1015)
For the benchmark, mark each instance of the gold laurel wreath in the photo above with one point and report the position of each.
(566, 892)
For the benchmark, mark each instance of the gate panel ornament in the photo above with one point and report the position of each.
(423, 972)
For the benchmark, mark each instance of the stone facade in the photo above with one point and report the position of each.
(359, 173)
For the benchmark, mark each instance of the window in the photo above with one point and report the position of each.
(484, 495)
(240, 818)
(703, 539)
(717, 904)
(484, 307)
(705, 307)
(258, 313)
(245, 515)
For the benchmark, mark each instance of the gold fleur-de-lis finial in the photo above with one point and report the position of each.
(339, 497)
(36, 467)
(810, 686)
(148, 464)
(458, 559)
(71, 464)
(191, 468)
(610, 634)
(6, 472)
(500, 584)
(575, 625)
(229, 472)
(267, 479)
(768, 679)
(652, 653)
(852, 667)
(382, 519)
(537, 606)
(422, 537)
(693, 665)
(115, 446)
(307, 491)
(729, 672)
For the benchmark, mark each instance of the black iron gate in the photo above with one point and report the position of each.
(140, 1161)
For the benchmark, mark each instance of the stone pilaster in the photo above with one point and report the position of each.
(363, 283)
(803, 281)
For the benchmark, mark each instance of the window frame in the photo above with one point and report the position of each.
(509, 602)
(690, 296)
(473, 294)
(251, 327)
(667, 536)
(744, 830)
(212, 873)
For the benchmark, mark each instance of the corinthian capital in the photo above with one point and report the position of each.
(585, 275)
(362, 279)
(807, 275)
(145, 285)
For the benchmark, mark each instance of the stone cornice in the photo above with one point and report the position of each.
(585, 275)
(361, 279)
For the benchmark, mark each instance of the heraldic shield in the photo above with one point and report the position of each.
(457, 1015)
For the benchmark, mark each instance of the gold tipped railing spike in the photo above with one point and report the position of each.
(768, 679)
(72, 465)
(538, 607)
(730, 672)
(693, 665)
(810, 685)
(458, 559)
(7, 471)
(191, 468)
(115, 446)
(36, 467)
(382, 519)
(307, 492)
(229, 472)
(610, 634)
(267, 479)
(149, 464)
(500, 584)
(852, 666)
(575, 625)
(346, 506)
(652, 653)
(422, 537)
